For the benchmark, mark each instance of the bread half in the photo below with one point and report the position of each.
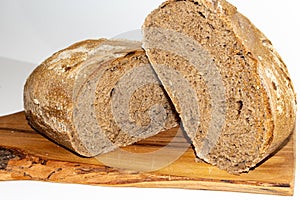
(229, 85)
(96, 96)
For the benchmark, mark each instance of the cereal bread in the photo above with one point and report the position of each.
(230, 87)
(96, 96)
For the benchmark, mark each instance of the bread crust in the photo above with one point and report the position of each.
(48, 93)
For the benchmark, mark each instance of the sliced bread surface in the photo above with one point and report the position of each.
(230, 87)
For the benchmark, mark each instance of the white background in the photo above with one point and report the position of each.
(31, 30)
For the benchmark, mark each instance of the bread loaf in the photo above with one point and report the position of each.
(230, 87)
(96, 96)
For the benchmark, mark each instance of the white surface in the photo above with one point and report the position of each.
(30, 31)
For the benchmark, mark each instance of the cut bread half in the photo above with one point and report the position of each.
(230, 87)
(96, 96)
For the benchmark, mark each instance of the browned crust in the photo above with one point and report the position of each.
(36, 88)
(51, 84)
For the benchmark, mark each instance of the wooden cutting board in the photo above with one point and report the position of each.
(27, 155)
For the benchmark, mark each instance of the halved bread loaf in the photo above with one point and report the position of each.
(97, 95)
(230, 87)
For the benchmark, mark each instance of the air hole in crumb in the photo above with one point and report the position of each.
(247, 120)
(202, 15)
(211, 26)
(239, 106)
(112, 92)
(113, 69)
(274, 85)
(67, 68)
(196, 3)
(239, 53)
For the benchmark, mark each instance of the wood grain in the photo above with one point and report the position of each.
(27, 155)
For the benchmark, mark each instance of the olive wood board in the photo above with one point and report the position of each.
(27, 155)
